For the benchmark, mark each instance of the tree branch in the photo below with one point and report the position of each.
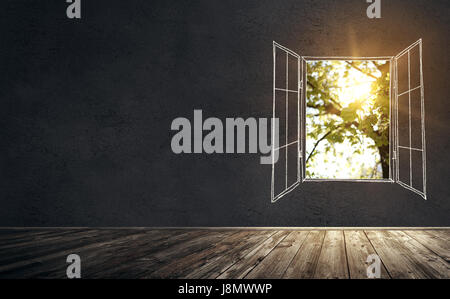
(382, 68)
(329, 98)
(359, 69)
(319, 141)
(346, 125)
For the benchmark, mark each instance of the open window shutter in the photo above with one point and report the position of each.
(410, 151)
(287, 92)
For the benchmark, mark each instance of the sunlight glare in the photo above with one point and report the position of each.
(355, 87)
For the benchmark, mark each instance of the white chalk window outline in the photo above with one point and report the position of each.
(405, 168)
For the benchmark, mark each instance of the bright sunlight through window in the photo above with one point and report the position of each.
(347, 119)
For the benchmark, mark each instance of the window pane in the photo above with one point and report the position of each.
(403, 120)
(292, 164)
(293, 117)
(402, 73)
(280, 113)
(414, 61)
(417, 170)
(293, 73)
(404, 166)
(347, 120)
(280, 68)
(280, 172)
(416, 119)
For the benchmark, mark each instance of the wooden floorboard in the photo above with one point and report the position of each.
(225, 253)
(244, 266)
(151, 255)
(52, 244)
(111, 258)
(156, 260)
(222, 261)
(404, 258)
(358, 249)
(42, 266)
(432, 265)
(436, 243)
(183, 265)
(332, 260)
(274, 265)
(305, 262)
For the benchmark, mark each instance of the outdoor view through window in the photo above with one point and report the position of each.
(347, 119)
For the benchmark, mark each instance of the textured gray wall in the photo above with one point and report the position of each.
(86, 108)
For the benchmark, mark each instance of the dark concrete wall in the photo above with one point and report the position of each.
(86, 108)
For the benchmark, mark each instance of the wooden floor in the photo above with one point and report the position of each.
(224, 253)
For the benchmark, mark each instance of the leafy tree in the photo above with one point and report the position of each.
(336, 122)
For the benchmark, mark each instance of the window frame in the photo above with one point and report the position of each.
(390, 60)
(423, 151)
(394, 154)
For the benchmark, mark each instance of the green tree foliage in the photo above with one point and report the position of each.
(336, 120)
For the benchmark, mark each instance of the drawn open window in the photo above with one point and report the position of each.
(358, 119)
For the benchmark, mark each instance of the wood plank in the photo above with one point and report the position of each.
(215, 266)
(110, 261)
(241, 268)
(390, 253)
(33, 235)
(48, 245)
(400, 262)
(424, 259)
(144, 265)
(332, 260)
(6, 233)
(33, 240)
(182, 265)
(274, 265)
(358, 249)
(219, 253)
(19, 234)
(305, 262)
(435, 243)
(51, 262)
(442, 234)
